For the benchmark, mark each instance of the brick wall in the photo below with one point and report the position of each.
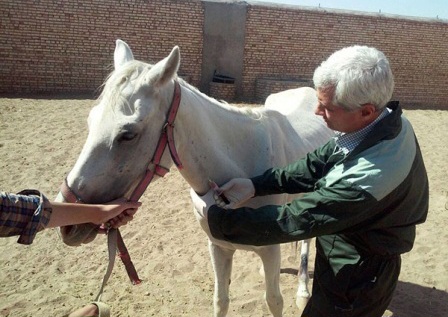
(58, 46)
(288, 43)
(222, 91)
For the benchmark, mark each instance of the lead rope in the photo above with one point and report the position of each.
(103, 308)
(112, 250)
(114, 243)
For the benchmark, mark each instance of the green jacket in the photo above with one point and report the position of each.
(365, 203)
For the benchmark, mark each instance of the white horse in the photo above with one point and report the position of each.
(211, 139)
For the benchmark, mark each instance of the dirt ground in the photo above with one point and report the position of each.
(40, 140)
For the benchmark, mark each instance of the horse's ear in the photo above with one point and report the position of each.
(122, 54)
(162, 72)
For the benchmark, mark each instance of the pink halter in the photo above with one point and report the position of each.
(166, 138)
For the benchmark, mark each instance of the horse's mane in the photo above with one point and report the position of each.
(255, 113)
(115, 82)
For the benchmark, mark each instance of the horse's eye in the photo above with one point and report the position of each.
(126, 136)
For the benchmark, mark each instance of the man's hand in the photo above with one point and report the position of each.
(237, 191)
(202, 203)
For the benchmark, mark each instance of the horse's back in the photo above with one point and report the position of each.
(298, 106)
(292, 100)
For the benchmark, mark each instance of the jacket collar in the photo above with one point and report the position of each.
(386, 129)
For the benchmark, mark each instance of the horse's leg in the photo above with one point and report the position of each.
(222, 267)
(271, 257)
(303, 293)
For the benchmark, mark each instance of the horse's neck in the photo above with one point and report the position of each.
(210, 139)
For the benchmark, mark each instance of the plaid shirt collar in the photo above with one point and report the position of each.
(348, 141)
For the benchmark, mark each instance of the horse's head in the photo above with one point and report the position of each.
(124, 128)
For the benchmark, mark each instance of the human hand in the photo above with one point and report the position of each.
(202, 203)
(118, 212)
(237, 191)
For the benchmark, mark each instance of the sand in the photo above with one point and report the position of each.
(40, 140)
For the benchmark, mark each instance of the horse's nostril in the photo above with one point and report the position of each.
(66, 230)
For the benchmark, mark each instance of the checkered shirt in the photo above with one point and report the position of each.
(348, 141)
(23, 214)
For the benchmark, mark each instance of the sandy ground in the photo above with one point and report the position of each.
(40, 140)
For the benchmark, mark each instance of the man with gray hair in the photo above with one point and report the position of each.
(364, 191)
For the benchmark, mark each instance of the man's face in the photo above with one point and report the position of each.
(336, 117)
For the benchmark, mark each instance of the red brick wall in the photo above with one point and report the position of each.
(58, 46)
(67, 46)
(290, 43)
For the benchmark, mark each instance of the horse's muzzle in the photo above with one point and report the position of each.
(75, 235)
(79, 234)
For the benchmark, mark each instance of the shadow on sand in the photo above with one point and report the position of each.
(410, 300)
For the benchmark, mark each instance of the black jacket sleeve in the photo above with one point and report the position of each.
(297, 177)
(321, 212)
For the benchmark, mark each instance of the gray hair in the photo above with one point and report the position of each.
(358, 75)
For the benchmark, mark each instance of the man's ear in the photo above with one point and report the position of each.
(368, 110)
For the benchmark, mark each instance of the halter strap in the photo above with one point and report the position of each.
(166, 138)
(68, 194)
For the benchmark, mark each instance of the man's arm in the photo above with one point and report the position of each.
(321, 212)
(297, 177)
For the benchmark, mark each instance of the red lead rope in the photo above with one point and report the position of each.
(126, 259)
